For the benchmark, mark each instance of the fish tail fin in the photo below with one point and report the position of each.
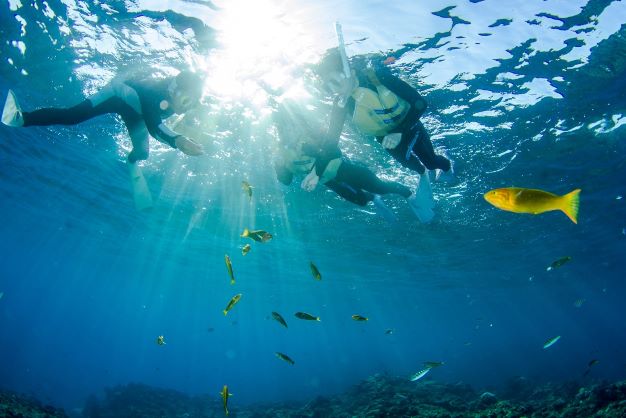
(246, 233)
(225, 312)
(571, 202)
(318, 319)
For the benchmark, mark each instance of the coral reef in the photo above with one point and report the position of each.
(377, 396)
(18, 406)
(384, 396)
(142, 401)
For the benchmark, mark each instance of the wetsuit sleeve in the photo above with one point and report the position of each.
(158, 130)
(151, 95)
(329, 148)
(403, 90)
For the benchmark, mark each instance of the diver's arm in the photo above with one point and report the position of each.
(403, 90)
(337, 120)
(329, 148)
(162, 133)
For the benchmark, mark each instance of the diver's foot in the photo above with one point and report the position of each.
(141, 192)
(421, 209)
(422, 201)
(447, 177)
(383, 210)
(12, 114)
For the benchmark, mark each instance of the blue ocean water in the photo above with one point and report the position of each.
(530, 94)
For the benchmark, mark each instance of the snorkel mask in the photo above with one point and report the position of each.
(185, 91)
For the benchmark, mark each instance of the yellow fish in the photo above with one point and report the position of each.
(258, 235)
(247, 188)
(232, 303)
(160, 340)
(315, 272)
(229, 266)
(518, 200)
(225, 395)
(245, 249)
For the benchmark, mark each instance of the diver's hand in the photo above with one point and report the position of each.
(392, 140)
(310, 181)
(188, 146)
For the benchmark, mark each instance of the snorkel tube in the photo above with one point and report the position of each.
(342, 51)
(344, 59)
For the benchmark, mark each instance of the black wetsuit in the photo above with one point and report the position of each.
(353, 182)
(142, 104)
(414, 157)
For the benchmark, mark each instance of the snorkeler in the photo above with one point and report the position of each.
(143, 104)
(382, 105)
(301, 146)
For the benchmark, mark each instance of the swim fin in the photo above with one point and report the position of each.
(12, 114)
(141, 192)
(448, 177)
(422, 202)
(383, 210)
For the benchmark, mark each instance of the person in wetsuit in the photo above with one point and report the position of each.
(302, 146)
(382, 105)
(143, 104)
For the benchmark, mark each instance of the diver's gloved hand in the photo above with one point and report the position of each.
(310, 181)
(188, 146)
(392, 140)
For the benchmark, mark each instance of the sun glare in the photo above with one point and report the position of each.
(260, 45)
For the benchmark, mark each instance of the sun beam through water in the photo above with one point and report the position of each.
(261, 43)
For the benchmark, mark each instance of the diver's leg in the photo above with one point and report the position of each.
(60, 116)
(424, 150)
(362, 178)
(351, 194)
(105, 101)
(139, 137)
(403, 154)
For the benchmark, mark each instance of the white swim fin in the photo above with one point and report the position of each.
(422, 201)
(12, 114)
(383, 210)
(448, 177)
(141, 192)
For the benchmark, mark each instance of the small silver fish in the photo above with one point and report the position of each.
(551, 341)
(420, 374)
